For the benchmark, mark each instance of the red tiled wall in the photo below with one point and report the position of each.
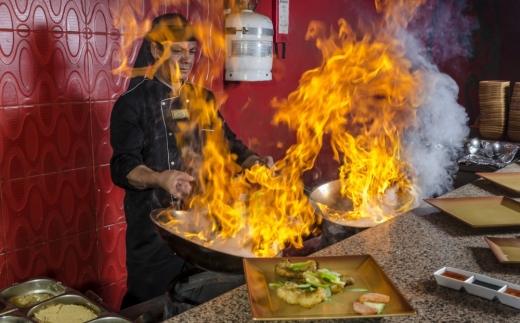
(61, 216)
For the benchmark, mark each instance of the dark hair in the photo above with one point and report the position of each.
(170, 26)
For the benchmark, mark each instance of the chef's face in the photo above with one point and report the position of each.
(174, 59)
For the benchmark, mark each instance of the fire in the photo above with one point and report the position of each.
(364, 96)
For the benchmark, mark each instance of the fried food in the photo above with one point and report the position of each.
(285, 268)
(374, 298)
(336, 283)
(305, 297)
(308, 285)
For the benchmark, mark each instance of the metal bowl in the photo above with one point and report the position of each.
(109, 319)
(327, 200)
(34, 286)
(15, 318)
(68, 299)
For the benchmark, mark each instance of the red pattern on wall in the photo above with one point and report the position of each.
(61, 216)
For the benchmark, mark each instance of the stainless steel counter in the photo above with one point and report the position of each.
(410, 248)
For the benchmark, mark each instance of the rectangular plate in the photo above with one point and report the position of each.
(508, 180)
(481, 212)
(265, 305)
(507, 250)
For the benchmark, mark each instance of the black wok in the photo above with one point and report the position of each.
(196, 254)
(328, 201)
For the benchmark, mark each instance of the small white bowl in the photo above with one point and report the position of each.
(451, 282)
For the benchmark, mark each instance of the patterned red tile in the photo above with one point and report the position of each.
(55, 16)
(112, 43)
(3, 271)
(101, 111)
(112, 253)
(109, 198)
(45, 62)
(112, 294)
(71, 260)
(38, 209)
(44, 139)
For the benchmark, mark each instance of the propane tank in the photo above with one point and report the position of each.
(249, 47)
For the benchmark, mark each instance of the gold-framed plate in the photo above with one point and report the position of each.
(368, 275)
(510, 181)
(482, 211)
(507, 250)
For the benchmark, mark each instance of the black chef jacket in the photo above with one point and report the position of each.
(141, 134)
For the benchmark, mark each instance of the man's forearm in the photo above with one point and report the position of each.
(143, 177)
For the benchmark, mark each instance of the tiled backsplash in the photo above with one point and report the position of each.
(61, 215)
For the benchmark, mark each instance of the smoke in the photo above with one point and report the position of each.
(445, 28)
(434, 144)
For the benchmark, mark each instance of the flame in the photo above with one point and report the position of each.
(363, 96)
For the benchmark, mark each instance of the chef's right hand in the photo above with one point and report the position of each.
(176, 183)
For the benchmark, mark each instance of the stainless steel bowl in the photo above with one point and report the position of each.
(15, 318)
(68, 299)
(109, 319)
(39, 285)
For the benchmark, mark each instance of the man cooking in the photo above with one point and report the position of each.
(145, 125)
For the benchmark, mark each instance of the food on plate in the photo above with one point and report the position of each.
(29, 299)
(294, 294)
(59, 313)
(287, 269)
(371, 303)
(364, 309)
(309, 285)
(374, 298)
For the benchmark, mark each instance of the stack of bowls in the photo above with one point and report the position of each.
(493, 108)
(513, 123)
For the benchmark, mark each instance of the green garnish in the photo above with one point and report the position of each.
(276, 285)
(303, 286)
(357, 290)
(299, 265)
(327, 276)
(315, 284)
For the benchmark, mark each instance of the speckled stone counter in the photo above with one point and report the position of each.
(410, 248)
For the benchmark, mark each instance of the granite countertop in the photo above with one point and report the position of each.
(410, 248)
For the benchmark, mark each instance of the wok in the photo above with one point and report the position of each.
(194, 253)
(212, 258)
(327, 201)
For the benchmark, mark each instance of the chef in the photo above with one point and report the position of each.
(145, 126)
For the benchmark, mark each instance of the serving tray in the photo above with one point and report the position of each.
(479, 285)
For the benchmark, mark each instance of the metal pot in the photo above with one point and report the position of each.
(196, 254)
(328, 201)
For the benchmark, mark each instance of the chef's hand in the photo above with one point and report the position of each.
(254, 160)
(176, 183)
(172, 181)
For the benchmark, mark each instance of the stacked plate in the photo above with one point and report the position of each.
(493, 108)
(513, 123)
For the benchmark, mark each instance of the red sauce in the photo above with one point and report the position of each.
(453, 275)
(514, 292)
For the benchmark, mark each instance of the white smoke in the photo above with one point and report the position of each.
(433, 146)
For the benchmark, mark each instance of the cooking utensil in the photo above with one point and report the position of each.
(328, 201)
(196, 254)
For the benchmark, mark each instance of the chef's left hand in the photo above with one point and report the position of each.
(254, 160)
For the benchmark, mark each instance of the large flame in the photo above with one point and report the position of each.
(364, 96)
